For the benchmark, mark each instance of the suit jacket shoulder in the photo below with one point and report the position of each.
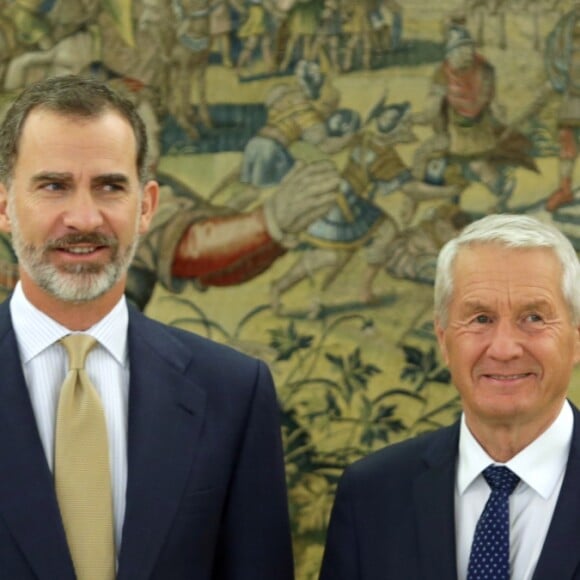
(187, 351)
(205, 461)
(406, 459)
(393, 513)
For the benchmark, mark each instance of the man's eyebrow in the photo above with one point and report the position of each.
(67, 177)
(539, 304)
(473, 305)
(477, 305)
(110, 178)
(51, 176)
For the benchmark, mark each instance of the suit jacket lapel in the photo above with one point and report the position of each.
(434, 498)
(165, 416)
(560, 556)
(28, 502)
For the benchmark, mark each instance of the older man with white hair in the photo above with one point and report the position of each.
(494, 496)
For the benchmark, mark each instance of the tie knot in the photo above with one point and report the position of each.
(501, 478)
(78, 347)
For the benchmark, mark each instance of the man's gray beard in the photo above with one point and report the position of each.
(80, 283)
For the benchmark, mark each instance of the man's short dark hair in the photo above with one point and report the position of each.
(74, 96)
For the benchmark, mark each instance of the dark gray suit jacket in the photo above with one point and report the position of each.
(206, 496)
(393, 518)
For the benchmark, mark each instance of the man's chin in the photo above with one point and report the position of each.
(77, 287)
(75, 282)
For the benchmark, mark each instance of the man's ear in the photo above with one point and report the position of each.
(440, 333)
(5, 225)
(577, 345)
(149, 202)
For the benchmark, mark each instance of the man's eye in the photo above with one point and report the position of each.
(53, 186)
(113, 187)
(534, 318)
(482, 319)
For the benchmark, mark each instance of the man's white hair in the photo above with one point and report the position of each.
(509, 231)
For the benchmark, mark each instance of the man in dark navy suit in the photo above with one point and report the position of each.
(507, 318)
(192, 437)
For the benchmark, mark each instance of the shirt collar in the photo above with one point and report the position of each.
(36, 331)
(550, 450)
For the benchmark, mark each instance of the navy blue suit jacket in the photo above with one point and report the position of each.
(393, 516)
(206, 495)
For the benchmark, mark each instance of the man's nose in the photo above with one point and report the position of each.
(83, 212)
(505, 342)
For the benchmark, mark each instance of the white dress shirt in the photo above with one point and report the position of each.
(540, 466)
(45, 364)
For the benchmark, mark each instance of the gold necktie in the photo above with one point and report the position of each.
(81, 468)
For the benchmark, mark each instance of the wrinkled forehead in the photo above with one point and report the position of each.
(505, 269)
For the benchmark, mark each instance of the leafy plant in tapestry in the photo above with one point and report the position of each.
(347, 419)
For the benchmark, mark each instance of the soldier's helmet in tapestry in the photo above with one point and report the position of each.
(310, 77)
(343, 122)
(458, 36)
(388, 117)
(457, 17)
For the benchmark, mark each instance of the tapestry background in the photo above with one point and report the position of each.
(344, 323)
